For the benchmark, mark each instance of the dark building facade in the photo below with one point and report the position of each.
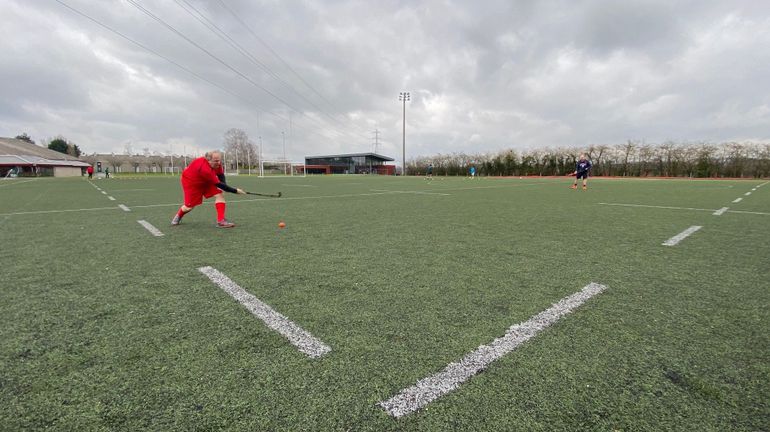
(353, 163)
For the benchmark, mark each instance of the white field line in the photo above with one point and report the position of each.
(409, 192)
(431, 388)
(754, 190)
(104, 193)
(749, 212)
(154, 231)
(681, 236)
(131, 190)
(721, 211)
(652, 206)
(303, 340)
(265, 200)
(110, 198)
(15, 182)
(57, 211)
(504, 186)
(737, 200)
(747, 193)
(292, 185)
(762, 184)
(678, 208)
(124, 208)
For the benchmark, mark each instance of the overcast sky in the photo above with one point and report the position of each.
(483, 75)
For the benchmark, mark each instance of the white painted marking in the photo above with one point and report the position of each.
(262, 200)
(154, 231)
(131, 190)
(431, 388)
(747, 193)
(103, 192)
(681, 236)
(303, 340)
(721, 211)
(111, 198)
(737, 200)
(125, 209)
(57, 211)
(293, 185)
(676, 208)
(753, 190)
(408, 192)
(660, 207)
(15, 182)
(749, 212)
(762, 184)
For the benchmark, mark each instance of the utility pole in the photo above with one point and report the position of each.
(261, 174)
(376, 139)
(403, 96)
(283, 135)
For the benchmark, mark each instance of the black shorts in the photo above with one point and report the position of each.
(582, 175)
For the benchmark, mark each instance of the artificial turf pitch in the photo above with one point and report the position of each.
(104, 326)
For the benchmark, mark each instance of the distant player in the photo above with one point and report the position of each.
(205, 178)
(90, 172)
(429, 173)
(581, 171)
(473, 172)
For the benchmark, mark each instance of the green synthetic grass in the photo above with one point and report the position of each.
(105, 327)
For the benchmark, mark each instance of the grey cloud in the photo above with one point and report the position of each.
(483, 75)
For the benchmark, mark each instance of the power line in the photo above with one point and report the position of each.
(267, 46)
(216, 58)
(178, 65)
(208, 23)
(209, 53)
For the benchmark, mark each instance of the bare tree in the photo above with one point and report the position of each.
(237, 142)
(628, 150)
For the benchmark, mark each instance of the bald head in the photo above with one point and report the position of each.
(215, 158)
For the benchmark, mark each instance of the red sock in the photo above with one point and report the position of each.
(220, 210)
(181, 213)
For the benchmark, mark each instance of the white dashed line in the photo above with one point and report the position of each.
(110, 198)
(721, 211)
(154, 231)
(124, 208)
(737, 200)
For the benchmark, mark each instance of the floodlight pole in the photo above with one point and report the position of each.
(403, 96)
(283, 135)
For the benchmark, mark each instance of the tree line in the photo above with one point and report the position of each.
(632, 159)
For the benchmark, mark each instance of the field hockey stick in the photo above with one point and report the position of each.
(278, 195)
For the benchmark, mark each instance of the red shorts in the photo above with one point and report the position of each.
(194, 194)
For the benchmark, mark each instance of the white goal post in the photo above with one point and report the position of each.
(281, 168)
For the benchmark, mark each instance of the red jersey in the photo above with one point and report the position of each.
(200, 174)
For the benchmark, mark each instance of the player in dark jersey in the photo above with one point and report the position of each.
(581, 171)
(205, 178)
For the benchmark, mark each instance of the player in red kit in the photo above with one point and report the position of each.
(205, 178)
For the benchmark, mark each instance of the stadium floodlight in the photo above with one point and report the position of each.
(403, 96)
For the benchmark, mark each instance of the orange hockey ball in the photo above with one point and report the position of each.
(281, 225)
